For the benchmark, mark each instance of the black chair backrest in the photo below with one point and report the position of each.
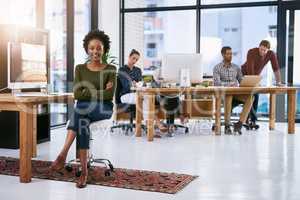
(118, 90)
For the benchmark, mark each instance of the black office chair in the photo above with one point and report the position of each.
(109, 168)
(235, 103)
(124, 112)
(70, 165)
(170, 104)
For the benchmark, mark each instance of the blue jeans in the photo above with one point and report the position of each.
(86, 112)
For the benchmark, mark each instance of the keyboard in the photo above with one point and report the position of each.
(31, 94)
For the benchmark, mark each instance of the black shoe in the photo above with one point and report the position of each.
(228, 130)
(237, 127)
(253, 125)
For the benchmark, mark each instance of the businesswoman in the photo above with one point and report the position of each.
(130, 75)
(94, 86)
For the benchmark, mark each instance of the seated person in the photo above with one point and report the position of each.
(228, 74)
(94, 86)
(129, 76)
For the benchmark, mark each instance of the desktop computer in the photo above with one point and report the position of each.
(26, 66)
(25, 62)
(178, 68)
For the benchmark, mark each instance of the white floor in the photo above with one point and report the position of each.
(257, 165)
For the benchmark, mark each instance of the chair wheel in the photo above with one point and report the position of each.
(170, 134)
(186, 130)
(68, 168)
(78, 173)
(107, 172)
(213, 128)
(111, 167)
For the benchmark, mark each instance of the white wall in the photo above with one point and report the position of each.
(297, 48)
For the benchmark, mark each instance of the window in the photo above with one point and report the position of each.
(157, 3)
(234, 30)
(155, 35)
(272, 9)
(151, 50)
(17, 12)
(230, 1)
(81, 26)
(273, 31)
(109, 12)
(55, 22)
(235, 27)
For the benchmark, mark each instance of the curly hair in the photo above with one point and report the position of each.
(99, 35)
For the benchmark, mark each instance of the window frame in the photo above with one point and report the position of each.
(70, 8)
(199, 7)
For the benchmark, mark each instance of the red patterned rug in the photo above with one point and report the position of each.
(122, 178)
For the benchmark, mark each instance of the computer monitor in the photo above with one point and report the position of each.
(27, 65)
(173, 63)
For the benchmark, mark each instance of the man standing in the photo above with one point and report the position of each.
(257, 58)
(228, 74)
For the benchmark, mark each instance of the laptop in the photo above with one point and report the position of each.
(250, 81)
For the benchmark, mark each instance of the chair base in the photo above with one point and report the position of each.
(247, 126)
(126, 127)
(109, 167)
(176, 126)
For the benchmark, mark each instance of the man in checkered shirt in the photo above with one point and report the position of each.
(230, 75)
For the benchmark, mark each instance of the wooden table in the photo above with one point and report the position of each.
(218, 93)
(27, 107)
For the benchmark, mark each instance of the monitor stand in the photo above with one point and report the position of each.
(44, 90)
(16, 91)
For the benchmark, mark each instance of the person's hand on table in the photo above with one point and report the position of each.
(233, 85)
(139, 84)
(279, 84)
(134, 83)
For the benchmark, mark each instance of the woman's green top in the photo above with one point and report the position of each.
(90, 85)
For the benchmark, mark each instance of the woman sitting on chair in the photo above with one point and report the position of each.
(129, 76)
(94, 86)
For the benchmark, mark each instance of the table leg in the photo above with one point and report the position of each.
(291, 111)
(150, 121)
(272, 111)
(189, 102)
(139, 115)
(218, 115)
(34, 132)
(26, 130)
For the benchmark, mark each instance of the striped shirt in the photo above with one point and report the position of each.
(226, 76)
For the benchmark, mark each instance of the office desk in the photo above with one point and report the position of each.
(217, 93)
(27, 107)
